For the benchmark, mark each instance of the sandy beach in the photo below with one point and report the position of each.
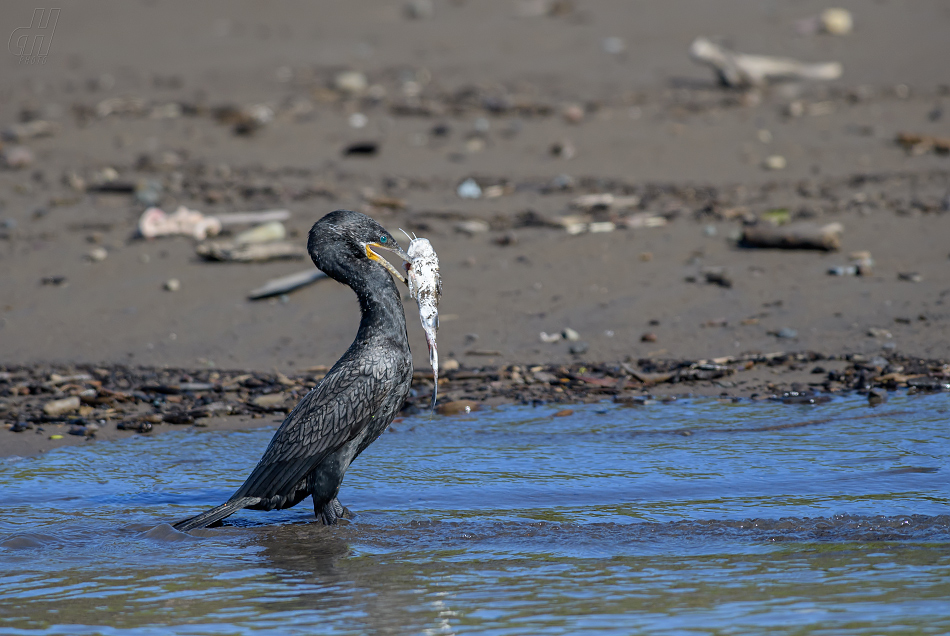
(609, 182)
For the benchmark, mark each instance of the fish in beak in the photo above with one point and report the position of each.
(395, 249)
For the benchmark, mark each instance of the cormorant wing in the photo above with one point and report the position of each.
(333, 413)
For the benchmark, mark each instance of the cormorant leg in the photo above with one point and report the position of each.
(331, 512)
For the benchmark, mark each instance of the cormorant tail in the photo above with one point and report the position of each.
(216, 514)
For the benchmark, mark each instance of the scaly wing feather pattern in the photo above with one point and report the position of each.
(333, 413)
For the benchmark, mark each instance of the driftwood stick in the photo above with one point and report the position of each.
(740, 70)
(286, 284)
(252, 218)
(804, 236)
(250, 253)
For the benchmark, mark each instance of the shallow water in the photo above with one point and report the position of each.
(691, 517)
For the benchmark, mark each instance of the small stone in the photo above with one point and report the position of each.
(564, 413)
(172, 285)
(573, 113)
(614, 45)
(450, 365)
(548, 338)
(878, 332)
(570, 334)
(877, 396)
(911, 277)
(358, 120)
(149, 192)
(419, 9)
(469, 189)
(472, 227)
(361, 149)
(836, 21)
(17, 157)
(649, 337)
(352, 82)
(563, 149)
(786, 332)
(55, 408)
(98, 254)
(774, 162)
(578, 348)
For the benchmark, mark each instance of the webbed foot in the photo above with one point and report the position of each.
(333, 511)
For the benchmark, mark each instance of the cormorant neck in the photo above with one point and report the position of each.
(380, 307)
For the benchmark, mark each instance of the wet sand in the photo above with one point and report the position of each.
(476, 91)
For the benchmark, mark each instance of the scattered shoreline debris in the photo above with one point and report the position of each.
(155, 222)
(919, 144)
(861, 265)
(740, 70)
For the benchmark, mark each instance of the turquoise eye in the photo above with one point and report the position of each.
(383, 239)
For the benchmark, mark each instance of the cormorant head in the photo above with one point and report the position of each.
(344, 238)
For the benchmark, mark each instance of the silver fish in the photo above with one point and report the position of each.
(425, 287)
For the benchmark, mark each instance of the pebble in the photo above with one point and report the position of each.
(361, 148)
(17, 157)
(450, 365)
(578, 348)
(877, 396)
(786, 332)
(419, 9)
(911, 277)
(648, 337)
(472, 227)
(549, 337)
(614, 45)
(878, 332)
(149, 192)
(469, 189)
(98, 254)
(599, 227)
(172, 285)
(55, 408)
(573, 113)
(563, 149)
(836, 21)
(358, 120)
(352, 82)
(774, 162)
(570, 334)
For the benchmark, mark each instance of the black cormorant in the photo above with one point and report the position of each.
(359, 396)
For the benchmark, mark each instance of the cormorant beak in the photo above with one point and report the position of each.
(395, 249)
